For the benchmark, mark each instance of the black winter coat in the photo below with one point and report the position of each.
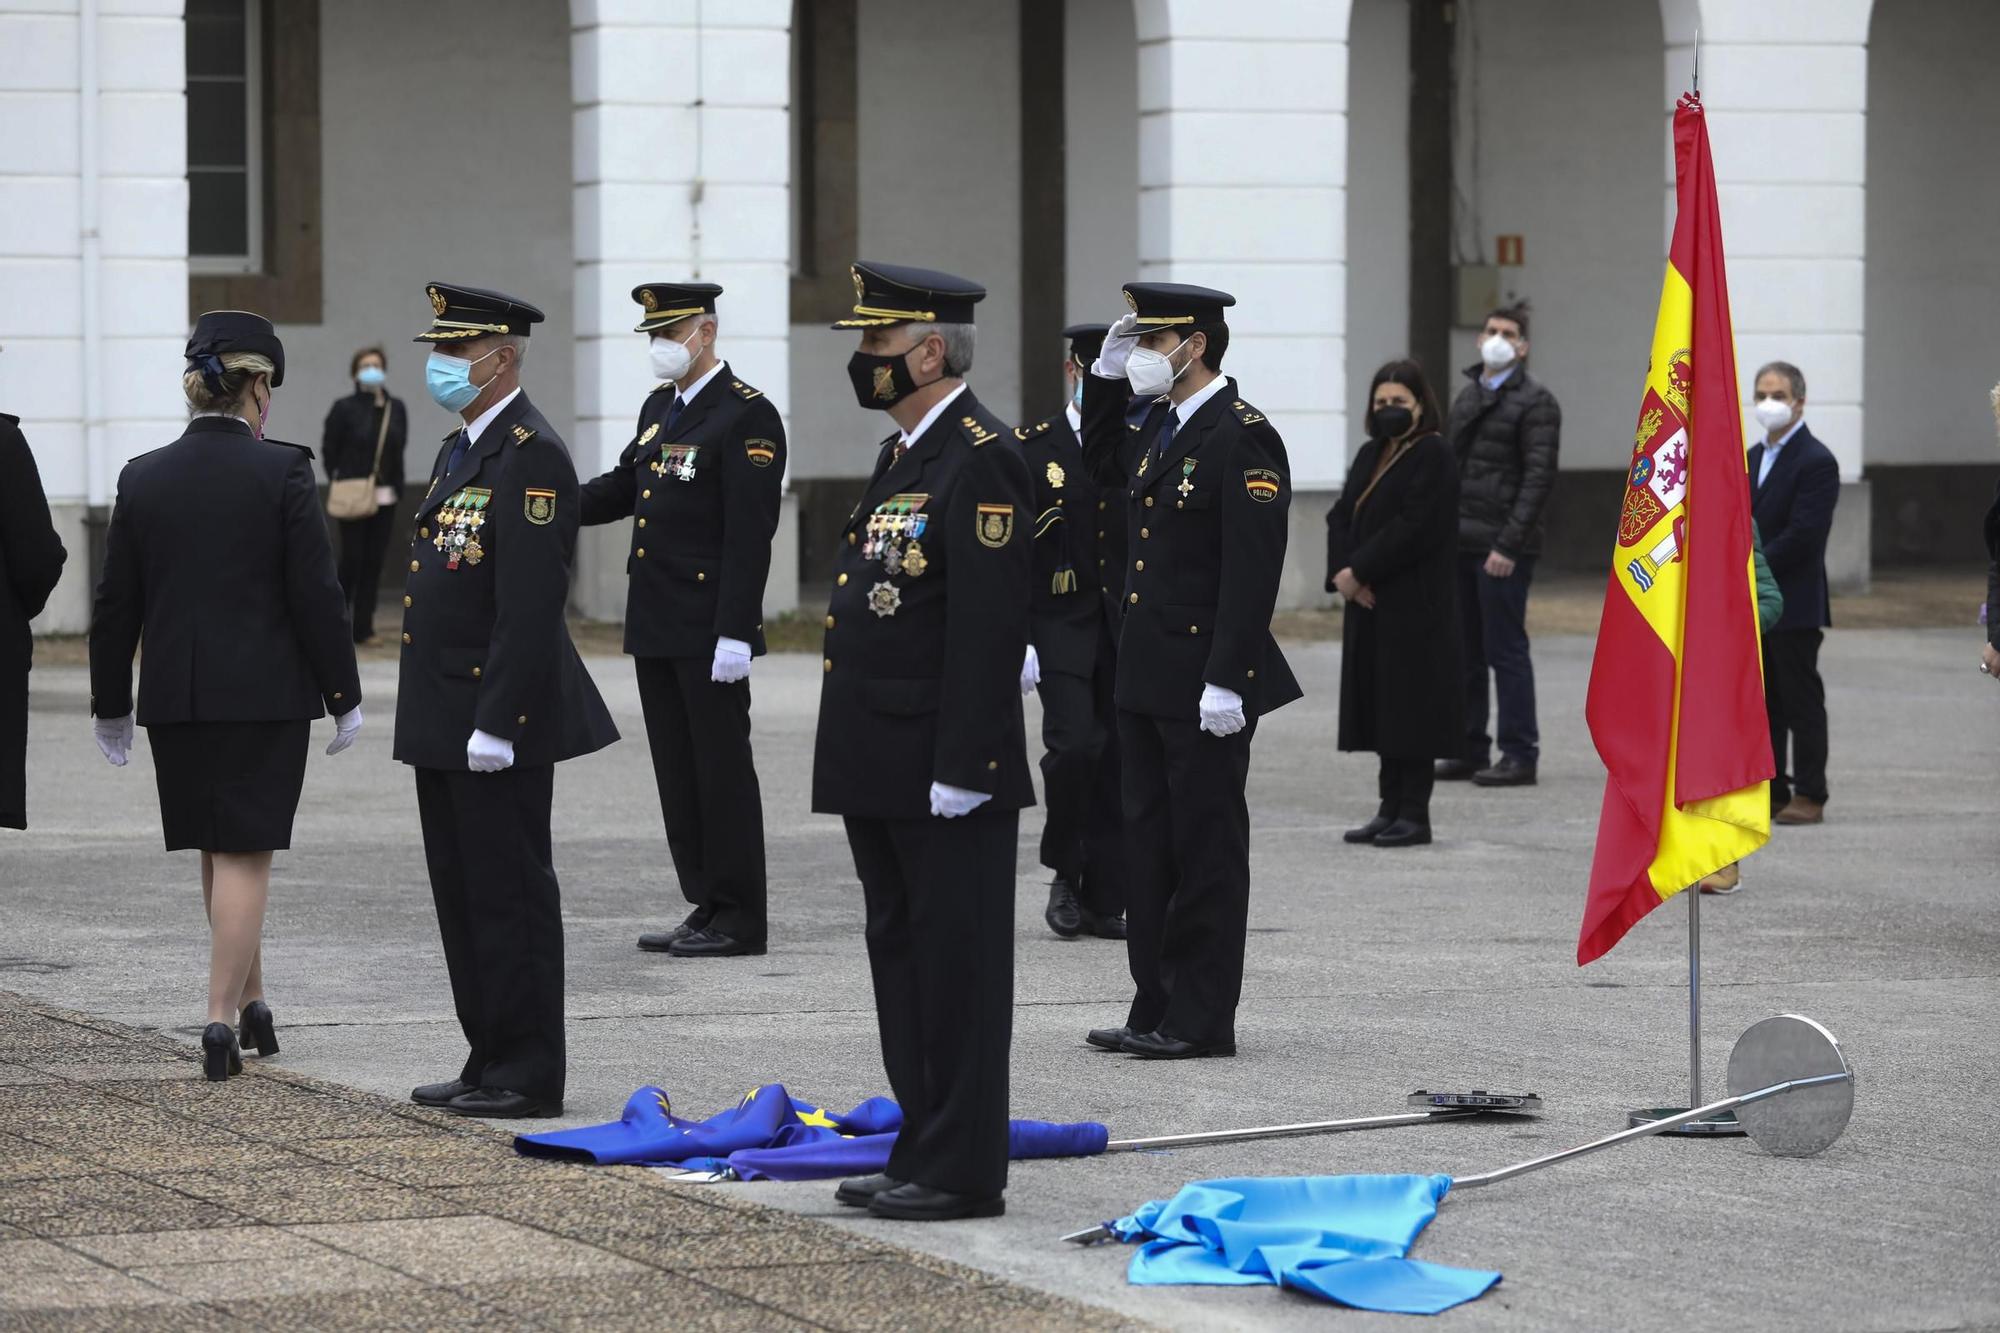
(1993, 570)
(927, 627)
(485, 645)
(707, 502)
(1402, 689)
(217, 560)
(347, 443)
(1066, 605)
(1206, 532)
(1506, 441)
(31, 561)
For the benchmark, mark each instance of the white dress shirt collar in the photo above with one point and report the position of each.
(910, 437)
(479, 423)
(1074, 416)
(1185, 412)
(687, 395)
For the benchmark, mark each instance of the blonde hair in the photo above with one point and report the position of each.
(238, 369)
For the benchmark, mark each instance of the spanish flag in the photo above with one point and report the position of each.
(1676, 705)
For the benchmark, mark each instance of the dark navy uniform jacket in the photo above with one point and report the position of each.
(217, 556)
(923, 648)
(485, 645)
(1208, 523)
(706, 497)
(1066, 604)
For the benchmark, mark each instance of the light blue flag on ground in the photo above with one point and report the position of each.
(1341, 1238)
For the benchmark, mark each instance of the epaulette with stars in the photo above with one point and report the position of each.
(744, 391)
(1026, 433)
(976, 431)
(522, 434)
(1245, 413)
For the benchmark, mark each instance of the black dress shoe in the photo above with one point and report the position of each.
(856, 1193)
(440, 1094)
(661, 941)
(1454, 770)
(1404, 833)
(219, 1056)
(1367, 832)
(1159, 1046)
(500, 1104)
(921, 1203)
(257, 1029)
(1104, 927)
(1108, 1039)
(1065, 918)
(1507, 773)
(709, 942)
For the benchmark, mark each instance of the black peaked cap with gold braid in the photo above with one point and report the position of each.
(898, 294)
(1085, 341)
(666, 302)
(1160, 304)
(464, 313)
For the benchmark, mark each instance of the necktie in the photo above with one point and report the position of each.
(674, 413)
(458, 448)
(1164, 440)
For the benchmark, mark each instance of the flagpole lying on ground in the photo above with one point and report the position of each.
(1722, 1123)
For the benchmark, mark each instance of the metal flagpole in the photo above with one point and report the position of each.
(1723, 1123)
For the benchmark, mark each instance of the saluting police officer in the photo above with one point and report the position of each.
(1071, 663)
(1207, 489)
(920, 742)
(704, 474)
(491, 696)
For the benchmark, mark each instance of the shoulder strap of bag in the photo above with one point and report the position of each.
(381, 436)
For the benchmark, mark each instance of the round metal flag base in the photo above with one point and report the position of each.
(1720, 1126)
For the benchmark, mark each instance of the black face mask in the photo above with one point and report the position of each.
(1390, 423)
(880, 381)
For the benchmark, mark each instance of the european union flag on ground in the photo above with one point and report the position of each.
(1341, 1238)
(771, 1135)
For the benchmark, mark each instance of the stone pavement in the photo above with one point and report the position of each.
(135, 1194)
(1370, 974)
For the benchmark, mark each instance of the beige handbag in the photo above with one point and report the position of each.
(353, 498)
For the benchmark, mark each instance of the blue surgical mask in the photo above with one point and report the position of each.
(370, 377)
(449, 378)
(1077, 396)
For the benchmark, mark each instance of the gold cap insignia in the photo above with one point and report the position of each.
(648, 300)
(437, 300)
(860, 288)
(1132, 301)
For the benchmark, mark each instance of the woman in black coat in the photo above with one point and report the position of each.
(348, 446)
(31, 561)
(1392, 540)
(217, 564)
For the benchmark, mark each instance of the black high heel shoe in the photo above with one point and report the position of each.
(258, 1030)
(219, 1056)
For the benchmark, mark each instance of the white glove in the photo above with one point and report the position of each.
(951, 802)
(1221, 711)
(1031, 671)
(114, 738)
(1118, 345)
(732, 661)
(345, 728)
(488, 754)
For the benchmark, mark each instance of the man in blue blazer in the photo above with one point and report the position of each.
(1794, 485)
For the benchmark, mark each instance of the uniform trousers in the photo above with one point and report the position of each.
(1795, 697)
(1083, 836)
(699, 733)
(1187, 829)
(486, 837)
(940, 901)
(1406, 784)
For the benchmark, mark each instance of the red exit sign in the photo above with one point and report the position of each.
(1507, 252)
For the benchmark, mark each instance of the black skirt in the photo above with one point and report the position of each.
(229, 786)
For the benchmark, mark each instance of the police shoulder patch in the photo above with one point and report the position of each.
(744, 391)
(1262, 484)
(761, 452)
(996, 525)
(1245, 413)
(539, 506)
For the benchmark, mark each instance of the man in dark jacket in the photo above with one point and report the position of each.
(1506, 428)
(31, 561)
(1795, 484)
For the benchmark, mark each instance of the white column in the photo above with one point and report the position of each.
(1785, 85)
(1243, 186)
(93, 385)
(682, 170)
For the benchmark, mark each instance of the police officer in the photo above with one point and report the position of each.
(1207, 488)
(704, 474)
(920, 742)
(1071, 662)
(491, 696)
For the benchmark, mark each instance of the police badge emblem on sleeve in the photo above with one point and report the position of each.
(539, 506)
(996, 525)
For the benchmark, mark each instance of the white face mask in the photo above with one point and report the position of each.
(1152, 373)
(1497, 353)
(672, 359)
(1772, 414)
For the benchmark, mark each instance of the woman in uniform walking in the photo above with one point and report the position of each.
(217, 564)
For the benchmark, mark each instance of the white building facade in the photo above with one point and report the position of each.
(320, 162)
